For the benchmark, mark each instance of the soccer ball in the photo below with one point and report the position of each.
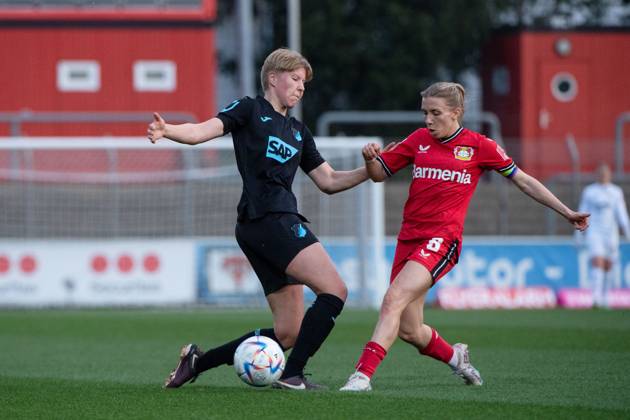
(259, 361)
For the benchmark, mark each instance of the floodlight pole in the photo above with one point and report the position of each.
(246, 55)
(295, 42)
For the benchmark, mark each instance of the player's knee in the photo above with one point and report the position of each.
(342, 292)
(598, 262)
(337, 288)
(391, 303)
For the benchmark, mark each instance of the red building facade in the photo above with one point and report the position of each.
(547, 86)
(106, 60)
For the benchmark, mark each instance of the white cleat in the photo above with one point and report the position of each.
(357, 382)
(464, 369)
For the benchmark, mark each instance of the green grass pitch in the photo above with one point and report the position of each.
(91, 364)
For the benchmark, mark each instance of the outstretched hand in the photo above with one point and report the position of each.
(156, 128)
(579, 220)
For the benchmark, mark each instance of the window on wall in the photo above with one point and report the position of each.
(501, 80)
(154, 76)
(78, 76)
(564, 87)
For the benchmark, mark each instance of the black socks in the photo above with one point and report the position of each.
(225, 354)
(318, 321)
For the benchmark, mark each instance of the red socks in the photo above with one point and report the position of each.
(372, 356)
(438, 348)
(373, 353)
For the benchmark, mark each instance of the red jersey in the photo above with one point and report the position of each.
(444, 177)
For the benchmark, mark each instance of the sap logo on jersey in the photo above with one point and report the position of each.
(279, 150)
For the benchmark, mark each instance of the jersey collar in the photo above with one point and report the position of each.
(270, 108)
(452, 136)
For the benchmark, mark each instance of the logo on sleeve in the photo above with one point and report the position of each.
(299, 230)
(231, 106)
(279, 150)
(296, 134)
(423, 149)
(463, 152)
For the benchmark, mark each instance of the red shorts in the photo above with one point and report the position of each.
(437, 255)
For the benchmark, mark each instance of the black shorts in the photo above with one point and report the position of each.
(270, 244)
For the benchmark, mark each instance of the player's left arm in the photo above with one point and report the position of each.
(331, 181)
(321, 173)
(536, 190)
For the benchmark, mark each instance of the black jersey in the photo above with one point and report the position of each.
(268, 147)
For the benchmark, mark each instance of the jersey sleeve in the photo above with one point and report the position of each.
(311, 158)
(237, 114)
(400, 156)
(493, 157)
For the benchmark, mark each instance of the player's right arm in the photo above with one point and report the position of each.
(187, 133)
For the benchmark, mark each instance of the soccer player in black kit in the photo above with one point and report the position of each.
(284, 253)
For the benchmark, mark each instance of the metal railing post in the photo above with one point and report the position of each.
(574, 153)
(188, 207)
(16, 119)
(622, 119)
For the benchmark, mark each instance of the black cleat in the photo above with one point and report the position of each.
(185, 370)
(299, 383)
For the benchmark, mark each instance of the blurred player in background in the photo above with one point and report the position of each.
(605, 202)
(448, 161)
(269, 147)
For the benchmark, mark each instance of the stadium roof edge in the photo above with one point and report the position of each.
(549, 29)
(206, 12)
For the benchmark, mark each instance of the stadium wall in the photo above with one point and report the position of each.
(214, 271)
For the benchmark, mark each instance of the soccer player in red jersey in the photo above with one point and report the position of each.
(448, 161)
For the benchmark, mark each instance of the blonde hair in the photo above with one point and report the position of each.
(453, 93)
(281, 60)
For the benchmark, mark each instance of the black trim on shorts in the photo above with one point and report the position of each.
(441, 265)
